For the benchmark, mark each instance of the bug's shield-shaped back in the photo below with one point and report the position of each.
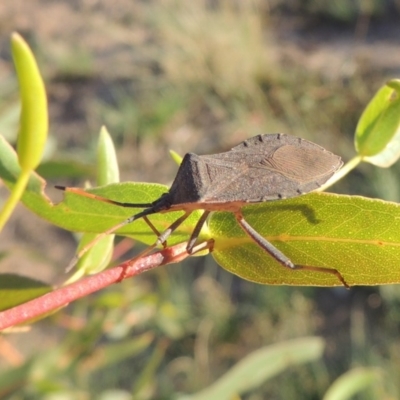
(262, 168)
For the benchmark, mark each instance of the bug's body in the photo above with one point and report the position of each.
(262, 168)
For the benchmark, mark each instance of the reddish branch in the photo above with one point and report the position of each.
(64, 295)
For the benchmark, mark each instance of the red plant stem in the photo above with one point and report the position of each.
(62, 296)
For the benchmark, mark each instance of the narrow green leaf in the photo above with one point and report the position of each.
(353, 382)
(95, 259)
(107, 163)
(98, 257)
(377, 137)
(34, 119)
(176, 157)
(259, 366)
(16, 289)
(360, 237)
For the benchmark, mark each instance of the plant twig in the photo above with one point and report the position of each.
(64, 295)
(350, 165)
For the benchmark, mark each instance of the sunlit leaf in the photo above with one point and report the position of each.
(358, 236)
(34, 119)
(97, 258)
(176, 157)
(33, 124)
(99, 255)
(377, 137)
(107, 163)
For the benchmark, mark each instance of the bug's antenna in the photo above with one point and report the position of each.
(81, 192)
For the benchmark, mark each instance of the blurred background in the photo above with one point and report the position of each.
(197, 76)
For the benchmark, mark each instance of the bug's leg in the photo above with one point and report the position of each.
(162, 238)
(154, 229)
(206, 245)
(195, 234)
(279, 256)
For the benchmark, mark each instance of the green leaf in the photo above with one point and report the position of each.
(377, 137)
(353, 382)
(360, 237)
(16, 289)
(34, 119)
(96, 259)
(98, 256)
(176, 157)
(107, 163)
(259, 366)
